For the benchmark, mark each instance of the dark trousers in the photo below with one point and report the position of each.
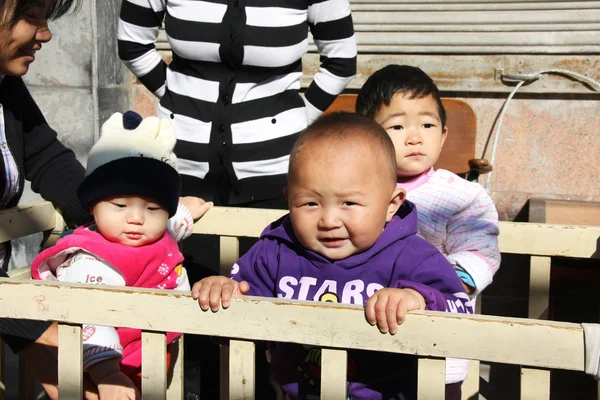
(201, 354)
(453, 391)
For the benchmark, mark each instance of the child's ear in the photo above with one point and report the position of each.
(396, 201)
(444, 135)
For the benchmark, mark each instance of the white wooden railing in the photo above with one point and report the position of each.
(432, 336)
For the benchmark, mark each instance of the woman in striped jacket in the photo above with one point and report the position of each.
(232, 93)
(232, 88)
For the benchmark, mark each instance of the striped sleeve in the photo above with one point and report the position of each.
(139, 24)
(331, 26)
(472, 240)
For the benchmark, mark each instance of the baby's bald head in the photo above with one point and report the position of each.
(342, 132)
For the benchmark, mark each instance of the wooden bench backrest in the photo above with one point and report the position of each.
(462, 132)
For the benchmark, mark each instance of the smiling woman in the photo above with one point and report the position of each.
(23, 30)
(31, 151)
(30, 148)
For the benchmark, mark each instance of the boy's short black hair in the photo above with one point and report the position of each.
(379, 89)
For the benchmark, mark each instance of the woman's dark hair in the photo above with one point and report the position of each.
(57, 8)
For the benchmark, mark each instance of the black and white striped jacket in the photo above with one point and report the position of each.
(232, 87)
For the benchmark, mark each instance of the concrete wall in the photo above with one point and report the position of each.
(549, 147)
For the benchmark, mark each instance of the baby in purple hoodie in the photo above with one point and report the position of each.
(350, 237)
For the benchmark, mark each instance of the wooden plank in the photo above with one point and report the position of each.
(470, 386)
(229, 251)
(432, 379)
(425, 333)
(539, 287)
(334, 366)
(154, 365)
(70, 361)
(535, 384)
(549, 240)
(242, 377)
(175, 391)
(26, 220)
(572, 212)
(22, 273)
(240, 222)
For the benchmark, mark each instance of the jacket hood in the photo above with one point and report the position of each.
(402, 225)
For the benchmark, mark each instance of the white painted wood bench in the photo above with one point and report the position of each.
(432, 336)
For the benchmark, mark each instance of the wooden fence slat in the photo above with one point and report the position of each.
(236, 222)
(549, 239)
(470, 387)
(22, 274)
(70, 362)
(539, 287)
(229, 250)
(175, 390)
(154, 365)
(242, 378)
(432, 379)
(535, 384)
(334, 366)
(26, 220)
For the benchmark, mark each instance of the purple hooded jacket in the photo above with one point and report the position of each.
(278, 266)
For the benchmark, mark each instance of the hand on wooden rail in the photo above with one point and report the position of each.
(215, 291)
(197, 206)
(388, 307)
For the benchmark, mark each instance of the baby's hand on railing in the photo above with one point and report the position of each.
(197, 206)
(388, 307)
(111, 382)
(215, 291)
(117, 386)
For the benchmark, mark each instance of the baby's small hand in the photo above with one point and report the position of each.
(388, 307)
(216, 290)
(111, 382)
(196, 205)
(117, 386)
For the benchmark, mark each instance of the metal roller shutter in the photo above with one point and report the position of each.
(465, 45)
